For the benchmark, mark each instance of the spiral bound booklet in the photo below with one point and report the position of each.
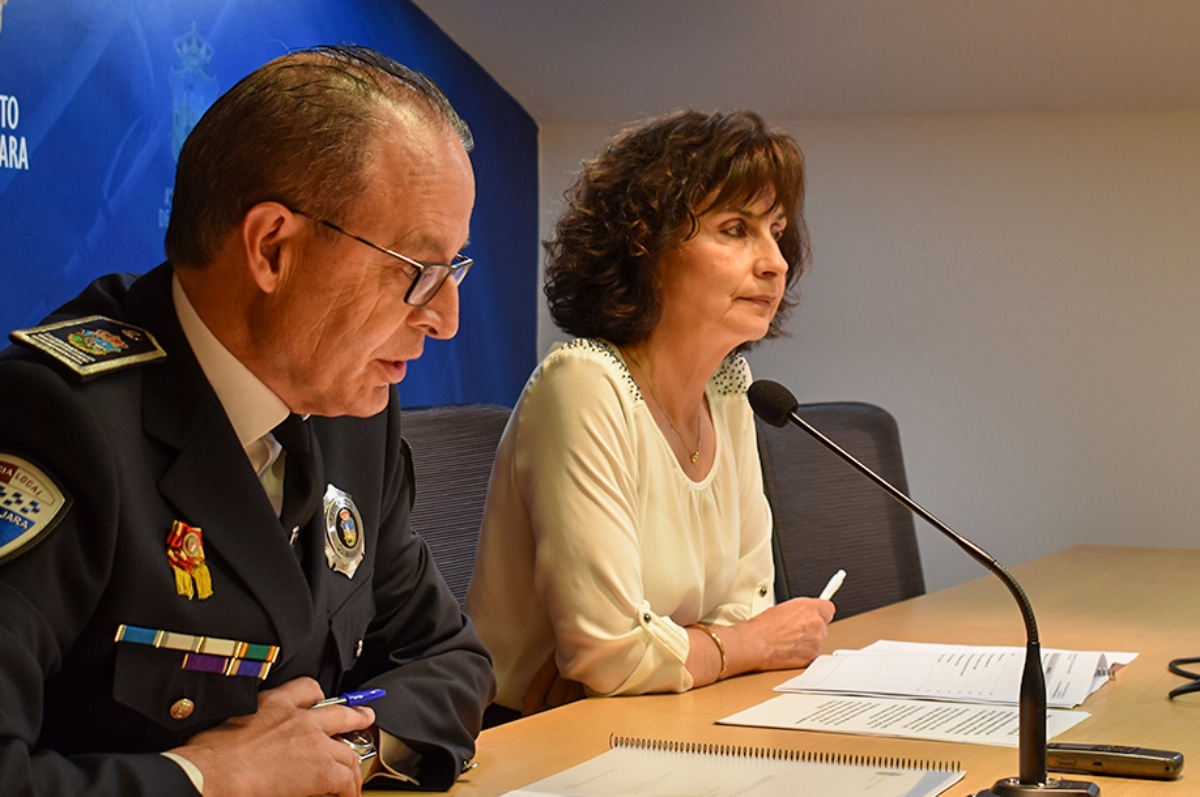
(659, 768)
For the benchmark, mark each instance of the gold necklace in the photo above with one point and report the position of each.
(695, 455)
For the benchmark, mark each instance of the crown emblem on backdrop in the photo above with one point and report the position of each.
(193, 51)
(193, 90)
(3, 3)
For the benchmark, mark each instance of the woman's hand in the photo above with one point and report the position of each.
(791, 632)
(782, 637)
(549, 689)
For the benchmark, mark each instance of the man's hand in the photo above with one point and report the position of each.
(285, 749)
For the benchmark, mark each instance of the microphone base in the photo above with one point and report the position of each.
(1013, 787)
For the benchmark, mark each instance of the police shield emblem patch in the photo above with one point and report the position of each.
(30, 504)
(92, 345)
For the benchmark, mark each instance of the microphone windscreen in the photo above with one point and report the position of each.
(771, 401)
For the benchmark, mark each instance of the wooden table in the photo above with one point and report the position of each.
(1086, 598)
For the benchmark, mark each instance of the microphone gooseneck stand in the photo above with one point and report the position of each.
(776, 405)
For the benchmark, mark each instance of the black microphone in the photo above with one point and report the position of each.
(776, 405)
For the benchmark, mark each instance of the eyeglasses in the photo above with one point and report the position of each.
(1176, 666)
(430, 276)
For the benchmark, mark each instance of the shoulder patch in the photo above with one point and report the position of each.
(93, 345)
(31, 503)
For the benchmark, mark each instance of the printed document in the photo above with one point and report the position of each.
(959, 673)
(906, 719)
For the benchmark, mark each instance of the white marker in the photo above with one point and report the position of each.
(833, 586)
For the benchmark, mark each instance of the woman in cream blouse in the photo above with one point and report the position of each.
(626, 544)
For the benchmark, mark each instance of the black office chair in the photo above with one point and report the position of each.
(453, 448)
(829, 516)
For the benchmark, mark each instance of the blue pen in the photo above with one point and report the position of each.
(351, 698)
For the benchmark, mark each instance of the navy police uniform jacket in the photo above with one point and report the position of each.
(133, 451)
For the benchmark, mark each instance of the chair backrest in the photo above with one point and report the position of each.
(829, 516)
(453, 446)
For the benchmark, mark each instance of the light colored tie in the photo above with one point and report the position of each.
(267, 458)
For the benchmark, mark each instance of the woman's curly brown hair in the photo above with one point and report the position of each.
(643, 194)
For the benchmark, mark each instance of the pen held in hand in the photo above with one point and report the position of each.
(351, 698)
(833, 586)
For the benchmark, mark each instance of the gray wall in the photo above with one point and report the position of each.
(1023, 293)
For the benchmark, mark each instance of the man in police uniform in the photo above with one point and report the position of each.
(163, 628)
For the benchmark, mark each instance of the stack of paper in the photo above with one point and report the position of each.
(890, 688)
(962, 673)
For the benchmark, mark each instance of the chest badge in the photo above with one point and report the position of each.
(344, 545)
(185, 552)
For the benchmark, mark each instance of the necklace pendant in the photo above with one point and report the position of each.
(695, 456)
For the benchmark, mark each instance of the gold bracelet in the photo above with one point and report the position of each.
(720, 648)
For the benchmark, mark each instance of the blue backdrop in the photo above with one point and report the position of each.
(97, 95)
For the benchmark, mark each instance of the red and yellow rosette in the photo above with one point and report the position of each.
(185, 552)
